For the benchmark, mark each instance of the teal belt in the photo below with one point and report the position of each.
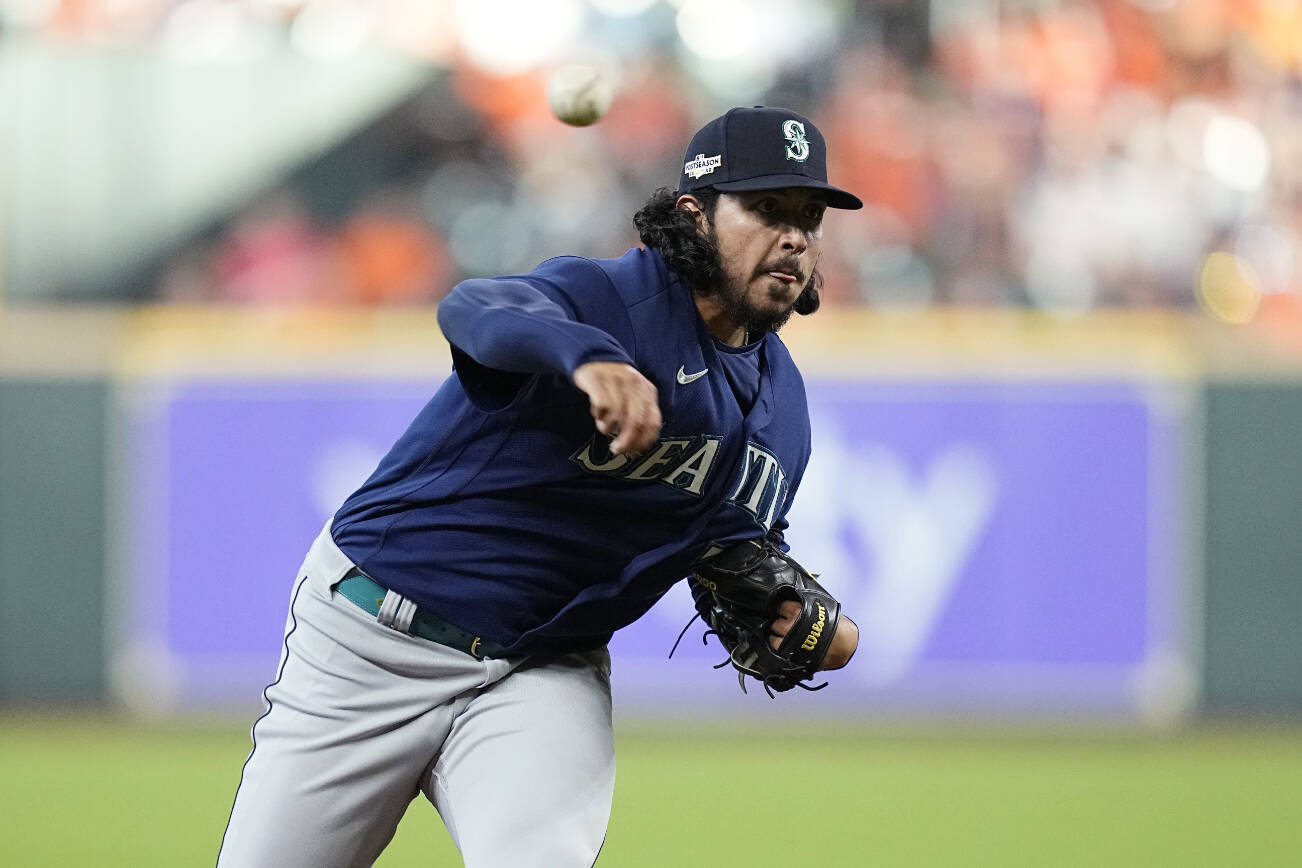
(369, 595)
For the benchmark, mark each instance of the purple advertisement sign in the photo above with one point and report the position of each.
(1006, 548)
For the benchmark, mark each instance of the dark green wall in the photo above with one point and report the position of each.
(1253, 612)
(52, 552)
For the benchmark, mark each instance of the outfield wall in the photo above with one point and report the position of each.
(1030, 518)
(1253, 555)
(53, 559)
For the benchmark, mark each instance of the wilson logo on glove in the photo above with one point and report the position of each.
(815, 632)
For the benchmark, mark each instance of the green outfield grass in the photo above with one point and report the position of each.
(81, 791)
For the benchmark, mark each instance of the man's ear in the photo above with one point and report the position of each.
(689, 203)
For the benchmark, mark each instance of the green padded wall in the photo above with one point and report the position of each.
(52, 551)
(1253, 604)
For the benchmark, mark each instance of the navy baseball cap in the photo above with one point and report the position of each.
(760, 148)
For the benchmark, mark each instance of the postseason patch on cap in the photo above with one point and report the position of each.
(702, 165)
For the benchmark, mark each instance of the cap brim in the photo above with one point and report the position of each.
(836, 197)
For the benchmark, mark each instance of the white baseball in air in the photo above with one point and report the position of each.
(579, 94)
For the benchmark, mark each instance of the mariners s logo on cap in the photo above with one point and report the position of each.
(798, 146)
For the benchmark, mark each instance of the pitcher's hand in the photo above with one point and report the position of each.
(844, 642)
(625, 405)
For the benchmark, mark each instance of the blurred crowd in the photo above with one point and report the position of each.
(1063, 155)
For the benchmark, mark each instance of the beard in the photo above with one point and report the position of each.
(736, 302)
(740, 309)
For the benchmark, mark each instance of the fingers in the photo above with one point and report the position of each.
(788, 612)
(625, 405)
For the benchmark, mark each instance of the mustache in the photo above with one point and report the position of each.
(790, 264)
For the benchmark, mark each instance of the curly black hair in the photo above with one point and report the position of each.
(693, 255)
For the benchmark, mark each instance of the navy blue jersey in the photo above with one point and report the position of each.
(502, 509)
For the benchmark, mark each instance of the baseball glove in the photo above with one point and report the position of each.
(738, 593)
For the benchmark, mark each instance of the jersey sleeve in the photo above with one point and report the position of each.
(562, 315)
(798, 405)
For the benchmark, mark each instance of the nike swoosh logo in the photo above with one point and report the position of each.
(684, 378)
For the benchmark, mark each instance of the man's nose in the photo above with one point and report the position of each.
(794, 238)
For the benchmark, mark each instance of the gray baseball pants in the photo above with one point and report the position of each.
(517, 755)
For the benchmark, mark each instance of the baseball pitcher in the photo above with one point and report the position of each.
(612, 428)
